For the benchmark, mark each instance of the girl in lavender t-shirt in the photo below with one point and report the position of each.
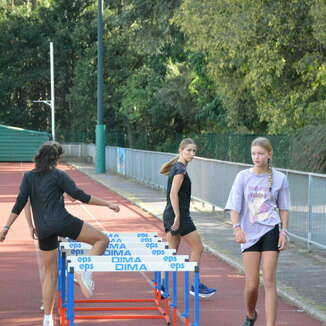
(259, 203)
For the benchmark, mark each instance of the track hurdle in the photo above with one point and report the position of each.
(149, 262)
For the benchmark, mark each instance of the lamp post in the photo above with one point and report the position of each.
(50, 102)
(52, 91)
(100, 127)
(47, 102)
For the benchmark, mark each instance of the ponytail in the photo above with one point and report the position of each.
(166, 167)
(47, 157)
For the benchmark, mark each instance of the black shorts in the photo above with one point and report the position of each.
(186, 226)
(72, 230)
(268, 242)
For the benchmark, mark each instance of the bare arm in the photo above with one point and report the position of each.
(28, 215)
(27, 211)
(11, 219)
(100, 202)
(284, 215)
(176, 185)
(235, 220)
(239, 235)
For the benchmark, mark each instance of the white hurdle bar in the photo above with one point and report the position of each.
(121, 245)
(101, 264)
(134, 258)
(130, 252)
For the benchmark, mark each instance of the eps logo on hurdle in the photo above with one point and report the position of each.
(118, 235)
(138, 259)
(113, 252)
(85, 263)
(142, 240)
(76, 245)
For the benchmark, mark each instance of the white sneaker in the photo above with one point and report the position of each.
(48, 322)
(86, 283)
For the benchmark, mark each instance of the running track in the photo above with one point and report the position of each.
(20, 292)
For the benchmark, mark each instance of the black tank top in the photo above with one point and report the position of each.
(184, 193)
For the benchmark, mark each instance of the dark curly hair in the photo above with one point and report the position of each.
(47, 157)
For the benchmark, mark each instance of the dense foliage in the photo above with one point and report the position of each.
(171, 67)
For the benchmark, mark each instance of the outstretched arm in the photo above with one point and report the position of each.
(69, 187)
(100, 202)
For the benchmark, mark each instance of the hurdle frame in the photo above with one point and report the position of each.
(66, 302)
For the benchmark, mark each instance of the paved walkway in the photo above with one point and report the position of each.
(301, 275)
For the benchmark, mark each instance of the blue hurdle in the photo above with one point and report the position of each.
(67, 265)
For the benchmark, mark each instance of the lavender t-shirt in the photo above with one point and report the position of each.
(250, 197)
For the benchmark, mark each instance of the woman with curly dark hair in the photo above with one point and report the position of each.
(45, 186)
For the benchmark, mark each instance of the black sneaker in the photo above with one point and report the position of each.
(163, 293)
(250, 322)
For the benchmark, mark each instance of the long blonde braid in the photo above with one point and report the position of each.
(265, 143)
(270, 178)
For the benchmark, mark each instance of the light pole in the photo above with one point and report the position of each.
(51, 102)
(47, 102)
(100, 127)
(52, 92)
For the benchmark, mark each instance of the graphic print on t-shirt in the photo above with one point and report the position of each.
(258, 203)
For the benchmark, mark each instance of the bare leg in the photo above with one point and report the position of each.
(99, 241)
(94, 237)
(197, 248)
(251, 261)
(269, 270)
(49, 262)
(41, 272)
(173, 240)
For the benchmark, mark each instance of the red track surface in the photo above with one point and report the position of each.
(20, 294)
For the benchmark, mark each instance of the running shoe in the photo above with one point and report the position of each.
(86, 283)
(48, 322)
(163, 292)
(250, 322)
(203, 290)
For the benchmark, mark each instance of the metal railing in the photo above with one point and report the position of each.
(212, 181)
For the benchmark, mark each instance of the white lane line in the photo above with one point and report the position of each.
(100, 225)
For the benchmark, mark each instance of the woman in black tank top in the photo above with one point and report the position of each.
(176, 217)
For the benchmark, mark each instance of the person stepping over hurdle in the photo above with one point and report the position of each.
(176, 217)
(32, 230)
(45, 186)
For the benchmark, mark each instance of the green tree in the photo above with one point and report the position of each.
(263, 59)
